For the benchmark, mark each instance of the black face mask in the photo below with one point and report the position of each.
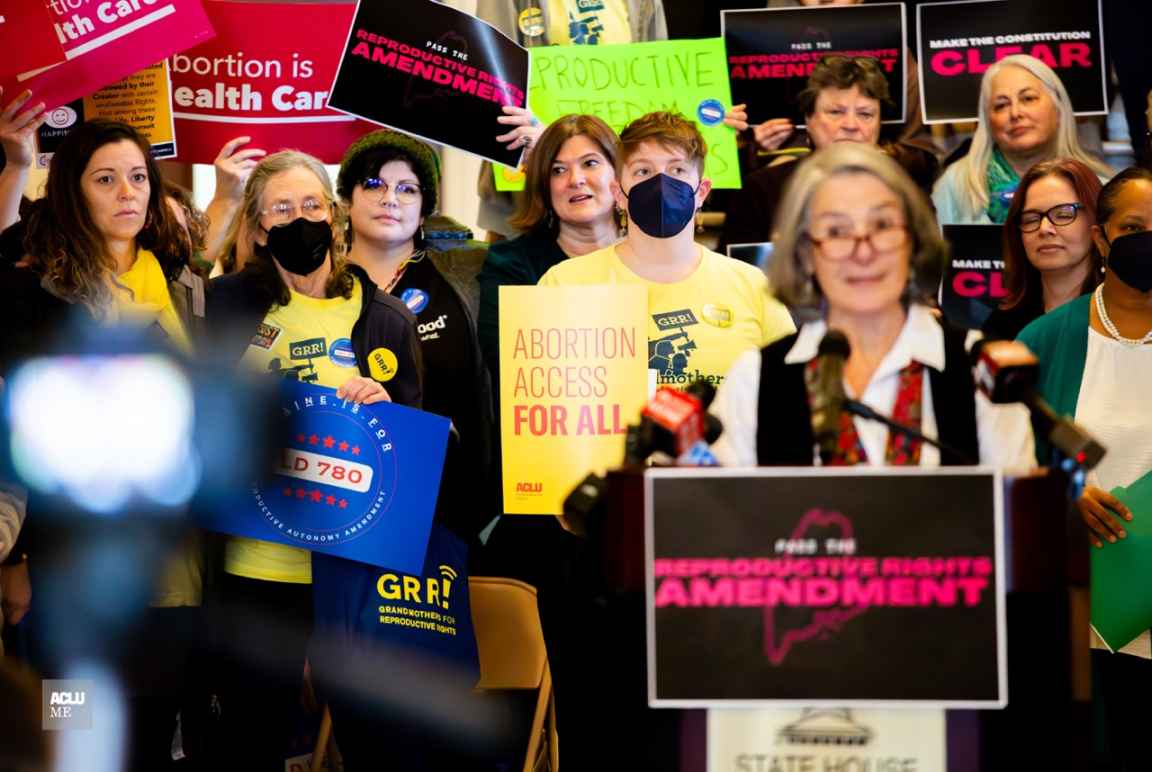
(1130, 258)
(661, 205)
(299, 246)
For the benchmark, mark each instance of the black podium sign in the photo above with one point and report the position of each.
(852, 587)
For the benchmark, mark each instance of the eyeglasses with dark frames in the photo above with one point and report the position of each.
(1059, 215)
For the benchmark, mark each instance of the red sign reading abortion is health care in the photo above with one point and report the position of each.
(265, 75)
(105, 41)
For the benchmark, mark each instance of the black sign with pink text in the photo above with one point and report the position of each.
(772, 51)
(433, 71)
(973, 284)
(959, 41)
(848, 586)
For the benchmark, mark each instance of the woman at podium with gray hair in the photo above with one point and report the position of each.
(858, 259)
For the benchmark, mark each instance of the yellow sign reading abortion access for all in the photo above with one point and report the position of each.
(573, 375)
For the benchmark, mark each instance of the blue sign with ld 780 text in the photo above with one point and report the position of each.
(355, 481)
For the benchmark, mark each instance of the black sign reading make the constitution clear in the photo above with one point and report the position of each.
(959, 41)
(849, 586)
(772, 51)
(973, 283)
(430, 70)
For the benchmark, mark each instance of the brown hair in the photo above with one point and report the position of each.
(668, 129)
(534, 208)
(843, 72)
(1021, 278)
(196, 219)
(63, 242)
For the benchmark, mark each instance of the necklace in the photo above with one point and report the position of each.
(1102, 312)
(416, 257)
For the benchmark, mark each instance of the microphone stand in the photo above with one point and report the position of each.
(856, 407)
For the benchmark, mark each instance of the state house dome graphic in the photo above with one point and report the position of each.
(825, 726)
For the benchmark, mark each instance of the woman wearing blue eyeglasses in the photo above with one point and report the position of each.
(1049, 256)
(389, 183)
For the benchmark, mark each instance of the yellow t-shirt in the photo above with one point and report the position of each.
(312, 338)
(140, 296)
(697, 326)
(588, 22)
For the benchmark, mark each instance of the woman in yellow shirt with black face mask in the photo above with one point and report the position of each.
(299, 310)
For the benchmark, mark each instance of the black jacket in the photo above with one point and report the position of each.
(784, 426)
(236, 307)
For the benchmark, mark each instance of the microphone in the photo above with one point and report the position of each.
(828, 392)
(677, 423)
(829, 400)
(1006, 371)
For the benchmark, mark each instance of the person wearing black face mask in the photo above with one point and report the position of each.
(705, 308)
(1095, 364)
(298, 310)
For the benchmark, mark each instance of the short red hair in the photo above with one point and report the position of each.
(665, 128)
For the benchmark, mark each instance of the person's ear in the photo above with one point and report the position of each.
(702, 191)
(618, 195)
(1101, 241)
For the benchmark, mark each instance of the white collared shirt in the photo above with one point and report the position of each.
(1004, 431)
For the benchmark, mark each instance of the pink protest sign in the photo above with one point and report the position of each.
(272, 86)
(105, 41)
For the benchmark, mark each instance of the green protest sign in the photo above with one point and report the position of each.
(619, 83)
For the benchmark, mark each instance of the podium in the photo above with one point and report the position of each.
(1046, 722)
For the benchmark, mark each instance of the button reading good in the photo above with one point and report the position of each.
(532, 22)
(382, 364)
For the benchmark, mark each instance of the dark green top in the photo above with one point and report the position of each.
(519, 261)
(1059, 339)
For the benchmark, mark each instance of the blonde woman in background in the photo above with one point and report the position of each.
(1024, 117)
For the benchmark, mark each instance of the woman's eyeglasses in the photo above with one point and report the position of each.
(406, 192)
(1059, 215)
(837, 245)
(285, 211)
